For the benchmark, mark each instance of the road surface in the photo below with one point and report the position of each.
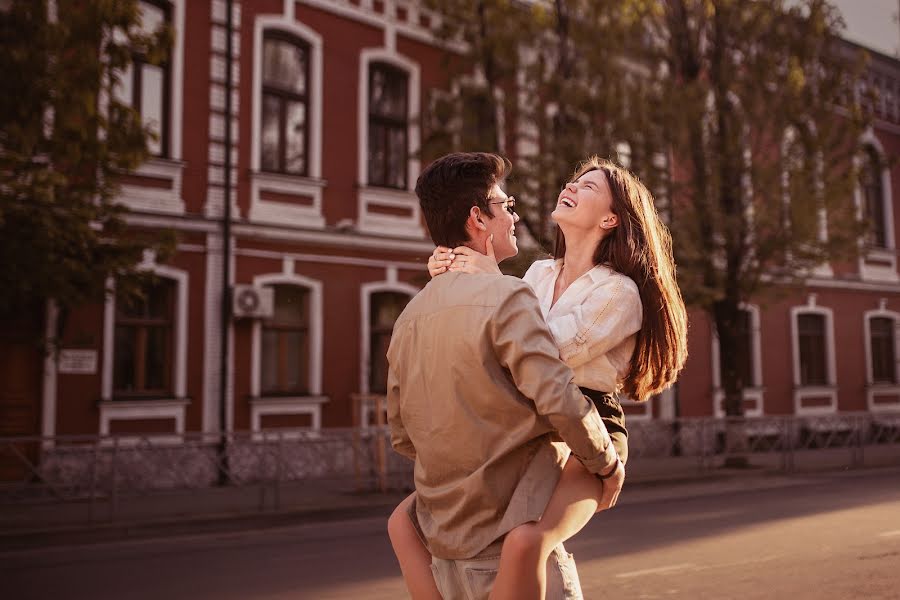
(833, 536)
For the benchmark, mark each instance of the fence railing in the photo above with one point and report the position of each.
(101, 473)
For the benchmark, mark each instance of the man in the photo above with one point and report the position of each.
(477, 393)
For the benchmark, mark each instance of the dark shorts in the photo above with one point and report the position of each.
(613, 417)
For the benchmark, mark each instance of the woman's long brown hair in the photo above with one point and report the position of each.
(641, 248)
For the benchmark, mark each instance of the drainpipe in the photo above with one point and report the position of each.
(224, 375)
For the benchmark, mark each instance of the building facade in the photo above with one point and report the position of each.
(328, 244)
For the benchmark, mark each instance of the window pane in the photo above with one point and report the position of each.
(396, 168)
(269, 366)
(152, 94)
(124, 92)
(291, 306)
(295, 137)
(386, 307)
(159, 300)
(813, 370)
(377, 153)
(124, 359)
(284, 66)
(294, 364)
(152, 17)
(387, 92)
(156, 359)
(873, 199)
(271, 115)
(884, 368)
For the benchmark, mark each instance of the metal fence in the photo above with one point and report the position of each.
(102, 475)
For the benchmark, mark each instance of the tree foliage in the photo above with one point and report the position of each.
(743, 118)
(65, 142)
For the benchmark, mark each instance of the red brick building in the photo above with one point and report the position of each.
(328, 243)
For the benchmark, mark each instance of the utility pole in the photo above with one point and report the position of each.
(224, 375)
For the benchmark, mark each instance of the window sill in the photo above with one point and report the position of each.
(883, 397)
(808, 400)
(389, 211)
(155, 186)
(286, 199)
(879, 264)
(132, 409)
(285, 405)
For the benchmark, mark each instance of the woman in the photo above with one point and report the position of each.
(614, 308)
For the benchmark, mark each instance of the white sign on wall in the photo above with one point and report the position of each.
(77, 362)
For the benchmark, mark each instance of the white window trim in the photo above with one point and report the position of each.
(370, 221)
(312, 403)
(281, 212)
(147, 409)
(752, 392)
(145, 198)
(869, 272)
(873, 389)
(829, 390)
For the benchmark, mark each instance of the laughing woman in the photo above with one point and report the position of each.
(612, 303)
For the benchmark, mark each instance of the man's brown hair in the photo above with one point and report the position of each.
(450, 186)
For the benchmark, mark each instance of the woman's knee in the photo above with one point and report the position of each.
(524, 540)
(398, 523)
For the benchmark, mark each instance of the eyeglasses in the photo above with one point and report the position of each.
(509, 204)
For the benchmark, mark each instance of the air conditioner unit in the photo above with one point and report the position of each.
(252, 302)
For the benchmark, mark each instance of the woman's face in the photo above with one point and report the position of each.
(586, 203)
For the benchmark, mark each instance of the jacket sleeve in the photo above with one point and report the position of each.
(524, 346)
(400, 440)
(604, 320)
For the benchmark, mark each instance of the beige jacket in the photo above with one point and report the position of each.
(476, 392)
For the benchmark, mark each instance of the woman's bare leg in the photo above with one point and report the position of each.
(415, 561)
(522, 573)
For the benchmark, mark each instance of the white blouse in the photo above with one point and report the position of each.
(594, 322)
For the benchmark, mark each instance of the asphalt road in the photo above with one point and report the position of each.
(834, 536)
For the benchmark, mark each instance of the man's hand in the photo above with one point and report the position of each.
(612, 485)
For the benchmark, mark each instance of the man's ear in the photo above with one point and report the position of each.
(476, 219)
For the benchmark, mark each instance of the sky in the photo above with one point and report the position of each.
(872, 23)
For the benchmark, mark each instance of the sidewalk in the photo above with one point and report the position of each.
(253, 507)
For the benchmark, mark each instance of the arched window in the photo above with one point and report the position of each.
(873, 198)
(383, 313)
(284, 135)
(388, 126)
(285, 356)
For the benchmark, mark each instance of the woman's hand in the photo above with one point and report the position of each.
(466, 260)
(463, 259)
(439, 260)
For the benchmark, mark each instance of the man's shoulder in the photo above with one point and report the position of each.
(456, 290)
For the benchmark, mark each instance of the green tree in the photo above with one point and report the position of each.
(65, 142)
(743, 118)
